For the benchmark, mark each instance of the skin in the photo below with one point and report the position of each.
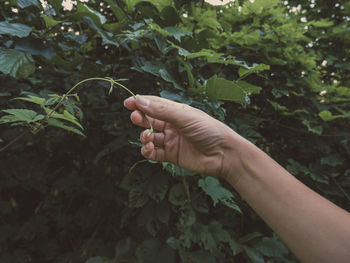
(313, 228)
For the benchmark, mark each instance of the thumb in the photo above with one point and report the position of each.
(162, 109)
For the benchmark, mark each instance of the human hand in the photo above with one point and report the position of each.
(186, 136)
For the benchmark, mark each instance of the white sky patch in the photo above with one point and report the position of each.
(218, 2)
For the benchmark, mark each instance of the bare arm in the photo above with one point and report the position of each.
(312, 227)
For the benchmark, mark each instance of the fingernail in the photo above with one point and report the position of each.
(142, 101)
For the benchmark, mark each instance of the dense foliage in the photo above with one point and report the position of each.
(276, 72)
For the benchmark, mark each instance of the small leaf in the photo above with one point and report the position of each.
(211, 186)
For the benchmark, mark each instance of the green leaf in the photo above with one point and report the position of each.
(328, 116)
(65, 116)
(107, 37)
(160, 4)
(212, 187)
(21, 115)
(27, 3)
(271, 247)
(32, 99)
(332, 160)
(321, 23)
(254, 255)
(83, 10)
(312, 128)
(59, 124)
(223, 89)
(35, 47)
(16, 63)
(242, 72)
(177, 33)
(50, 22)
(177, 195)
(14, 29)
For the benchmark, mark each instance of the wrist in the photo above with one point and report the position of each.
(237, 152)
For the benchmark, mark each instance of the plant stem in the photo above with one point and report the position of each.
(13, 141)
(110, 80)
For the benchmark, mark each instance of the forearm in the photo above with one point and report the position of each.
(312, 227)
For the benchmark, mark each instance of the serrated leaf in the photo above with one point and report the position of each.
(21, 115)
(212, 187)
(59, 124)
(14, 29)
(177, 33)
(16, 63)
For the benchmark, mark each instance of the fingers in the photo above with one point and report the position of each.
(138, 118)
(155, 154)
(159, 108)
(156, 138)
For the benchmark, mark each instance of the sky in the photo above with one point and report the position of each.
(218, 2)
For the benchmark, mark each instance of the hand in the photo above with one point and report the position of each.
(186, 136)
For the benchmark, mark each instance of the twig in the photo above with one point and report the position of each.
(13, 141)
(341, 189)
